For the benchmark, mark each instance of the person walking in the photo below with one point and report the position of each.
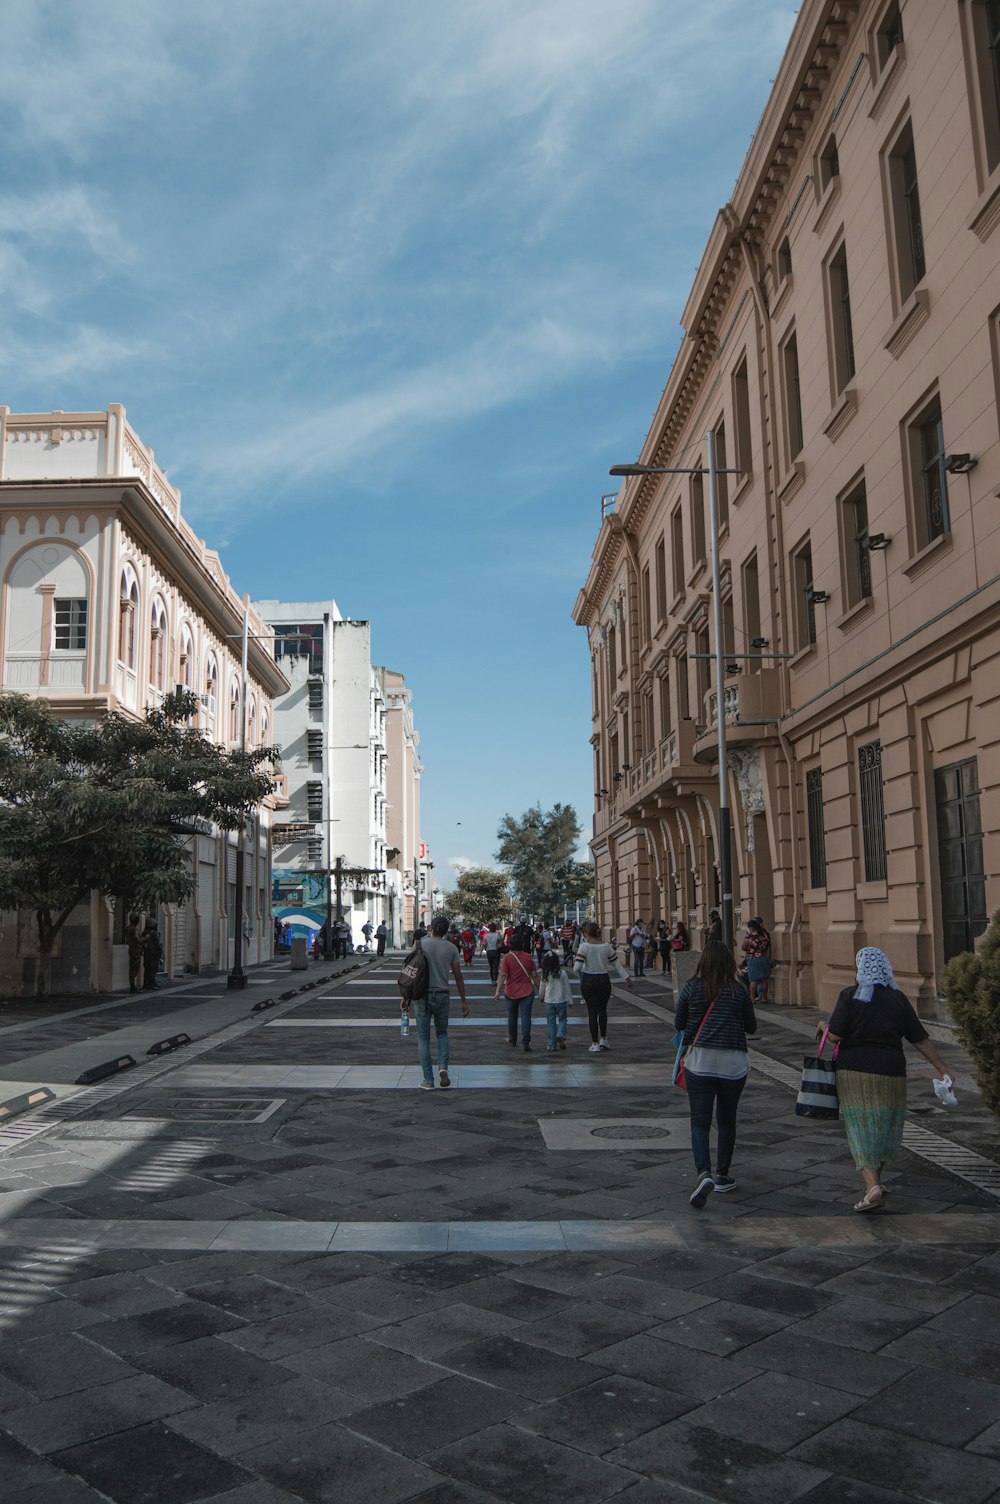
(152, 955)
(637, 937)
(596, 963)
(133, 941)
(663, 944)
(567, 934)
(468, 945)
(869, 1022)
(715, 1015)
(555, 992)
(757, 949)
(517, 980)
(381, 936)
(442, 964)
(493, 945)
(368, 929)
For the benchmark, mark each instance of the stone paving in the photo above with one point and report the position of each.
(274, 1270)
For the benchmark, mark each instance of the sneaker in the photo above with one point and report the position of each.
(550, 1049)
(595, 1049)
(445, 1079)
(562, 1044)
(725, 1183)
(427, 1086)
(702, 1191)
(604, 1045)
(527, 1046)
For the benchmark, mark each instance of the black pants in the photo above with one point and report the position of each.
(381, 945)
(595, 991)
(493, 958)
(704, 1093)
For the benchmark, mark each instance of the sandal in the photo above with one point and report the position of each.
(867, 1204)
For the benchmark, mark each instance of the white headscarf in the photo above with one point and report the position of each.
(874, 969)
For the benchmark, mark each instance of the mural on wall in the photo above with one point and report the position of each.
(298, 899)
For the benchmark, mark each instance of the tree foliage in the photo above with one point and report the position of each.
(481, 895)
(537, 851)
(972, 987)
(110, 805)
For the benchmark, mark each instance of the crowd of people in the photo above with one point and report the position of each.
(714, 1015)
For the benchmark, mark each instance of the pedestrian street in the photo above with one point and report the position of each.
(270, 1268)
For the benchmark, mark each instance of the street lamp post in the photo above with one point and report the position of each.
(238, 977)
(725, 845)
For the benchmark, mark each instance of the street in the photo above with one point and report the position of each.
(267, 1268)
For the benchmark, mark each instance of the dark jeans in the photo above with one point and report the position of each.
(704, 1093)
(595, 991)
(664, 949)
(493, 960)
(519, 1007)
(638, 961)
(381, 946)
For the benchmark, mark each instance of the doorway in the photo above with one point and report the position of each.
(960, 856)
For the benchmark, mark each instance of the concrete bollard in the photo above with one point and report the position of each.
(684, 964)
(300, 953)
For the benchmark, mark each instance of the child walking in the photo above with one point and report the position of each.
(555, 992)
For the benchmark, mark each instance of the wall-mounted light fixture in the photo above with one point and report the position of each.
(960, 464)
(760, 642)
(818, 597)
(601, 793)
(618, 778)
(877, 541)
(733, 668)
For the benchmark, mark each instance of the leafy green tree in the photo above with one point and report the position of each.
(110, 806)
(578, 885)
(537, 850)
(972, 987)
(481, 894)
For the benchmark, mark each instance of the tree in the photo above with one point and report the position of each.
(537, 850)
(110, 806)
(578, 885)
(972, 987)
(481, 895)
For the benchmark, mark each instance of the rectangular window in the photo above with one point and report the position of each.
(889, 35)
(666, 714)
(70, 622)
(793, 396)
(661, 581)
(751, 611)
(817, 835)
(722, 479)
(829, 163)
(648, 727)
(697, 519)
(854, 534)
(613, 660)
(843, 326)
(702, 669)
(872, 811)
(728, 627)
(805, 610)
(907, 225)
(985, 17)
(647, 629)
(930, 482)
(683, 687)
(784, 260)
(741, 418)
(677, 548)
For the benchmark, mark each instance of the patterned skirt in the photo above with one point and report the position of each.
(874, 1112)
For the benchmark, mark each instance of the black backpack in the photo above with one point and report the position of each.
(414, 975)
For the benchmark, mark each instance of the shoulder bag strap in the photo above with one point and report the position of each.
(704, 1021)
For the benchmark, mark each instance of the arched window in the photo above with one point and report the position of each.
(185, 659)
(128, 612)
(265, 727)
(234, 711)
(158, 645)
(211, 690)
(251, 722)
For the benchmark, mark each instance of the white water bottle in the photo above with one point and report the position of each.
(404, 1023)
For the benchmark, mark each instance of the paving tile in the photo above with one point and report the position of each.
(313, 1465)
(151, 1465)
(786, 1297)
(162, 1328)
(259, 1492)
(517, 1298)
(686, 1269)
(722, 1327)
(849, 1491)
(672, 1366)
(53, 1316)
(977, 1360)
(380, 1297)
(442, 1413)
(919, 1469)
(123, 1294)
(52, 1366)
(251, 1297)
(20, 1467)
(605, 1414)
(857, 1322)
(875, 1283)
(52, 1425)
(437, 1332)
(813, 1266)
(210, 1369)
(524, 1468)
(363, 1368)
(637, 1292)
(987, 1443)
(12, 1396)
(944, 1407)
(737, 1471)
(585, 1328)
(929, 1265)
(56, 1491)
(235, 1425)
(978, 1316)
(528, 1370)
(775, 1408)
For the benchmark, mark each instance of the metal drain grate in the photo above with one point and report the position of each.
(636, 1131)
(202, 1109)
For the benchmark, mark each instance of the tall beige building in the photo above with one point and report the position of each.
(403, 801)
(842, 338)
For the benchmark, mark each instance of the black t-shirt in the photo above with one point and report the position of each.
(872, 1034)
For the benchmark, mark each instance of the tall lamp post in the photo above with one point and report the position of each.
(238, 977)
(712, 471)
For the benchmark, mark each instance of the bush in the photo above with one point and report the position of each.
(972, 987)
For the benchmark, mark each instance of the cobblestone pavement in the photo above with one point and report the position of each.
(269, 1268)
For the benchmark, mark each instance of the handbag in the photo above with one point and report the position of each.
(679, 1077)
(817, 1096)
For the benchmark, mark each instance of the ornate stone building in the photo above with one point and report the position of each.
(107, 600)
(842, 338)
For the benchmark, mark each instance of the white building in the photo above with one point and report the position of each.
(406, 851)
(331, 727)
(108, 600)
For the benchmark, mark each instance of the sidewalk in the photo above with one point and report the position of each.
(270, 1269)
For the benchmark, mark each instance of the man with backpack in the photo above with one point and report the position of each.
(443, 962)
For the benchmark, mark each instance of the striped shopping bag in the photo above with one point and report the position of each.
(818, 1092)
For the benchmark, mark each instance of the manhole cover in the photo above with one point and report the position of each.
(207, 1109)
(639, 1130)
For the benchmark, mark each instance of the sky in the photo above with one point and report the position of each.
(387, 285)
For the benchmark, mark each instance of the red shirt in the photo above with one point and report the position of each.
(518, 979)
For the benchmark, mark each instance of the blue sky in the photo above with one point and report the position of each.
(387, 285)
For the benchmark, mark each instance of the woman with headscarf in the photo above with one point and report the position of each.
(869, 1023)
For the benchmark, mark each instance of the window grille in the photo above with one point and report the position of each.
(934, 484)
(70, 624)
(914, 223)
(890, 34)
(817, 835)
(872, 811)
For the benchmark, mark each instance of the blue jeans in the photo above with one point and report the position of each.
(555, 1018)
(638, 961)
(704, 1093)
(434, 1005)
(522, 1006)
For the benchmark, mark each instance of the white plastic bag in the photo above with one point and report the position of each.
(944, 1093)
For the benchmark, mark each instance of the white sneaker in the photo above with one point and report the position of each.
(595, 1049)
(604, 1045)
